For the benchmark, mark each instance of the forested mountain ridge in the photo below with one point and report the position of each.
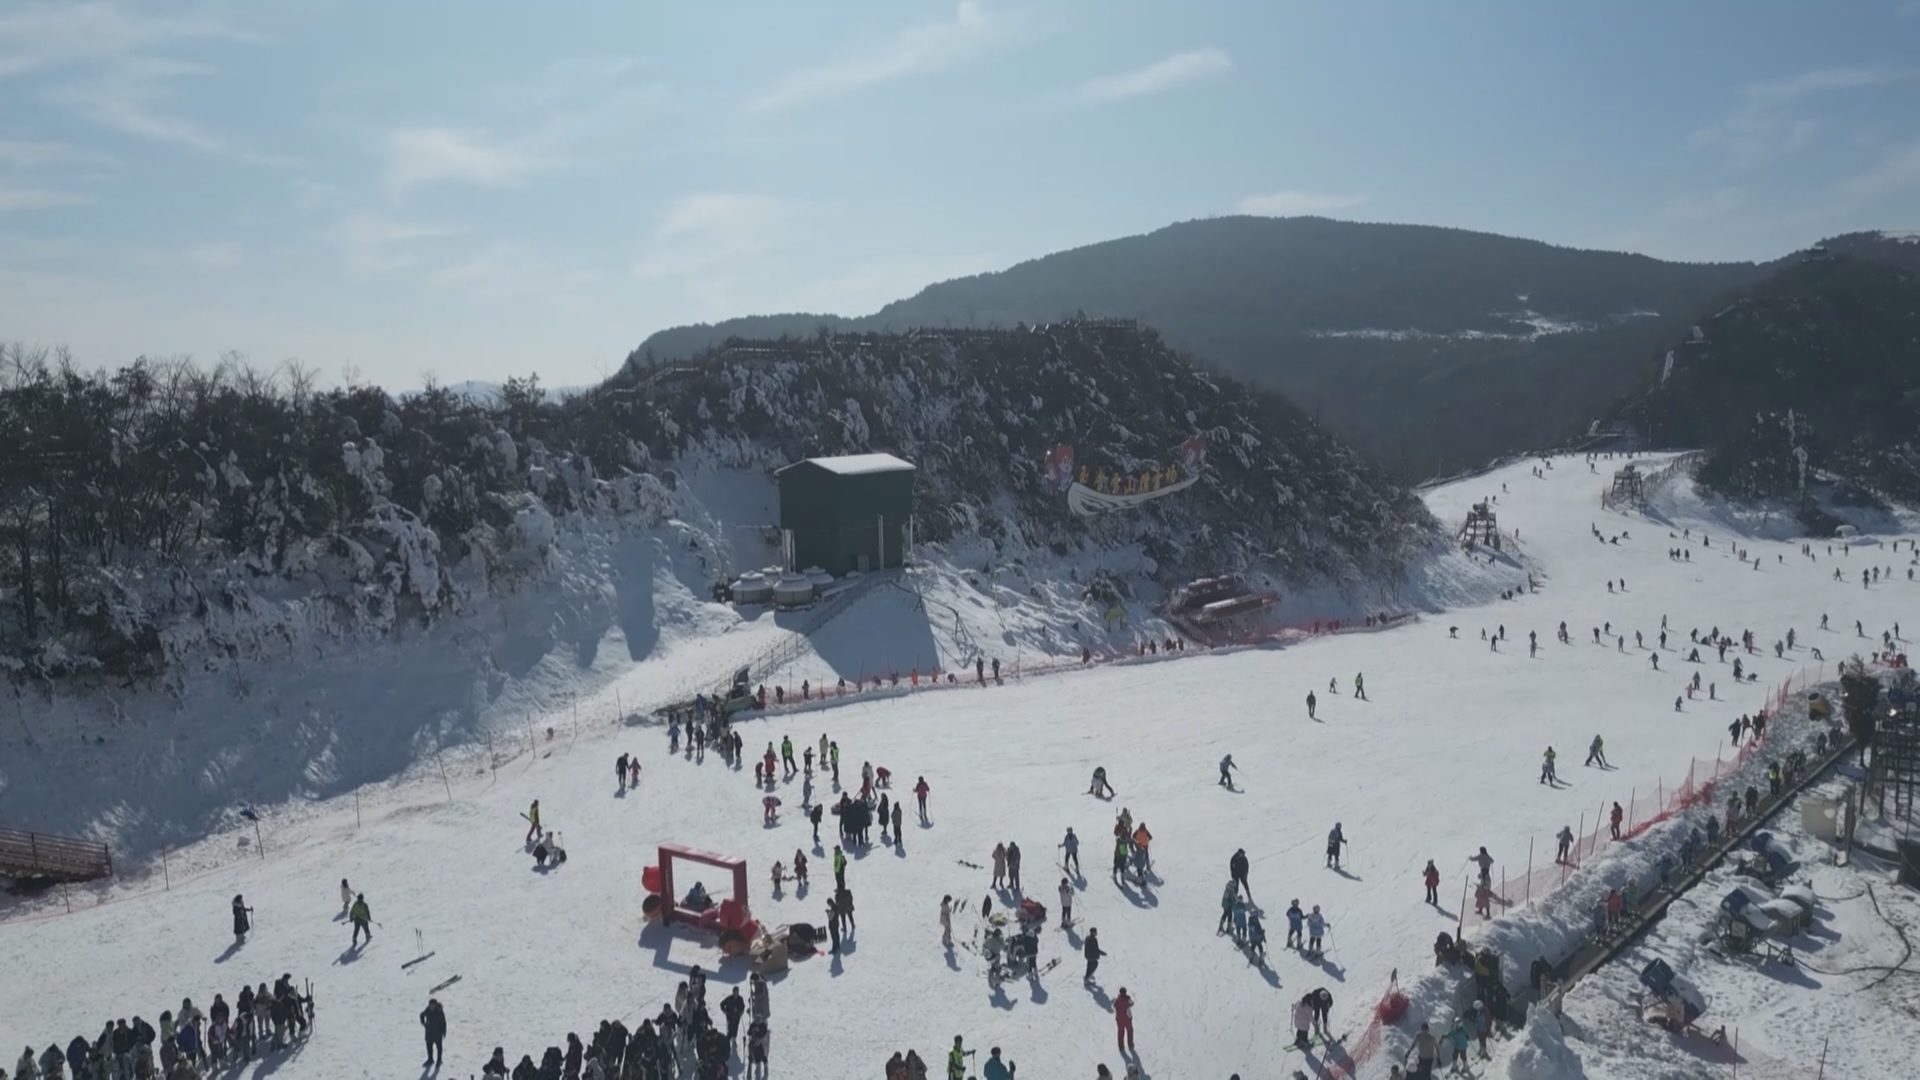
(1823, 355)
(144, 511)
(1427, 348)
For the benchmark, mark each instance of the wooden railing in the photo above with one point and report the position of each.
(26, 854)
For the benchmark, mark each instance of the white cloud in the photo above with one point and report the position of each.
(573, 114)
(16, 154)
(914, 51)
(704, 233)
(17, 199)
(1897, 172)
(1295, 203)
(1705, 205)
(49, 36)
(1771, 121)
(376, 244)
(101, 64)
(1158, 77)
(712, 215)
(512, 272)
(720, 254)
(420, 156)
(221, 255)
(127, 95)
(18, 158)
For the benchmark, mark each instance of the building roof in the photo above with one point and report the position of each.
(859, 464)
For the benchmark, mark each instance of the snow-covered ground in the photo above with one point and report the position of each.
(1442, 759)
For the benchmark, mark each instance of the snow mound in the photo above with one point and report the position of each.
(1542, 1053)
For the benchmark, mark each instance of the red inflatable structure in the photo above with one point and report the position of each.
(729, 917)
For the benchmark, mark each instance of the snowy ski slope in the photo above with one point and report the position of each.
(1442, 759)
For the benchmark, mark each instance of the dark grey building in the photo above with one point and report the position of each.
(847, 513)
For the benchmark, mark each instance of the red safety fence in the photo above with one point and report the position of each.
(780, 696)
(1342, 1061)
(466, 771)
(1695, 786)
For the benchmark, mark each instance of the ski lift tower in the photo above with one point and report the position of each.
(1628, 487)
(1481, 528)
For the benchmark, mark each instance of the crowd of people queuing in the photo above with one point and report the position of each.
(683, 1035)
(191, 1044)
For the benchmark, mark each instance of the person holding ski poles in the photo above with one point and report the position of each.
(361, 916)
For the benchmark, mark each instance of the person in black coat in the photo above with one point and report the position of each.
(616, 1049)
(241, 924)
(732, 1006)
(434, 1019)
(571, 1064)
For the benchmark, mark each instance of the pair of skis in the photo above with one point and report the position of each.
(419, 942)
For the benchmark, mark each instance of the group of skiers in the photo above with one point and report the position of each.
(188, 1045)
(683, 1034)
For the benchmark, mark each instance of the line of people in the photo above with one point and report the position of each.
(683, 1034)
(190, 1045)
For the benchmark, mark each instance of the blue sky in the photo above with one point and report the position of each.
(474, 189)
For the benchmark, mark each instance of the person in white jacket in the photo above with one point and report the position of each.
(346, 896)
(1302, 1023)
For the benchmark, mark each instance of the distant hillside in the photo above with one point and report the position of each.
(1427, 348)
(1823, 354)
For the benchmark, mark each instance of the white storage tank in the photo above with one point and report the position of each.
(793, 590)
(820, 578)
(752, 588)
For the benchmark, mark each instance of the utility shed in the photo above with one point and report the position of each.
(847, 513)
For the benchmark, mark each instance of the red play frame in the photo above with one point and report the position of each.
(727, 914)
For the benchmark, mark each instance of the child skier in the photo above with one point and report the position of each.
(1316, 929)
